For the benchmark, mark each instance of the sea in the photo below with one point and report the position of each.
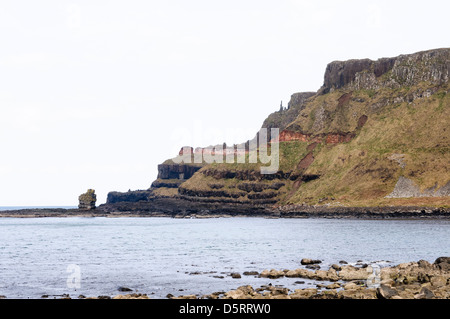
(98, 256)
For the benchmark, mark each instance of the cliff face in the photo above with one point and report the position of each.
(375, 134)
(432, 66)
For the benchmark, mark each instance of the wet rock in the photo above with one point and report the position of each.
(358, 294)
(278, 291)
(131, 296)
(185, 297)
(336, 267)
(250, 273)
(425, 293)
(333, 286)
(325, 275)
(443, 263)
(351, 286)
(352, 273)
(386, 292)
(235, 275)
(313, 266)
(423, 264)
(293, 273)
(303, 293)
(332, 275)
(307, 261)
(243, 292)
(210, 296)
(124, 289)
(273, 273)
(438, 281)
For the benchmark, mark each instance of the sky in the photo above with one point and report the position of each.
(95, 94)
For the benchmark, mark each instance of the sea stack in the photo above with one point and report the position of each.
(87, 200)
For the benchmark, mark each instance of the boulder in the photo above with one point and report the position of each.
(336, 267)
(333, 286)
(425, 293)
(438, 281)
(243, 292)
(386, 292)
(352, 273)
(307, 261)
(273, 273)
(443, 263)
(423, 264)
(303, 293)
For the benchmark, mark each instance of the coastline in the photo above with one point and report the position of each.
(411, 280)
(142, 210)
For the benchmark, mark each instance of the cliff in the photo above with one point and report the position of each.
(374, 135)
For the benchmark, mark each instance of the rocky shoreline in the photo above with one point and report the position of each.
(175, 209)
(412, 280)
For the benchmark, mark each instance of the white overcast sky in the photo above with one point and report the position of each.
(94, 94)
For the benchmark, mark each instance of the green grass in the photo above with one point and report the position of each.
(360, 173)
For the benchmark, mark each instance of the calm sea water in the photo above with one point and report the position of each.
(29, 207)
(158, 256)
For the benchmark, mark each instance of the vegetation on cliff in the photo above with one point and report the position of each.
(375, 134)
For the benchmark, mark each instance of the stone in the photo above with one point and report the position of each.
(443, 263)
(303, 293)
(87, 200)
(438, 281)
(351, 286)
(307, 261)
(235, 275)
(423, 264)
(333, 286)
(332, 275)
(186, 297)
(352, 273)
(279, 291)
(336, 267)
(131, 296)
(386, 292)
(321, 275)
(313, 266)
(246, 289)
(293, 273)
(250, 273)
(273, 273)
(235, 294)
(425, 293)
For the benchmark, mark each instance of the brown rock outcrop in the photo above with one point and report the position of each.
(87, 200)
